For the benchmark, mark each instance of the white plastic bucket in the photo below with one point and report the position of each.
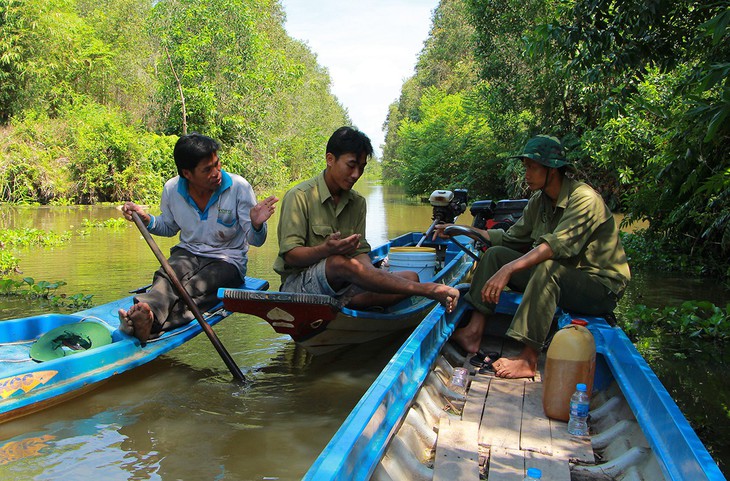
(421, 260)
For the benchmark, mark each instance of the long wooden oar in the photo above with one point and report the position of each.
(188, 300)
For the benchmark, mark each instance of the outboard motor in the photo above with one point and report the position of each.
(447, 206)
(489, 214)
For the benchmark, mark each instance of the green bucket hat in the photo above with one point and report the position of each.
(545, 150)
(69, 339)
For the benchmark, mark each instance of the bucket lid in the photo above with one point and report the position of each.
(69, 339)
(412, 249)
(534, 473)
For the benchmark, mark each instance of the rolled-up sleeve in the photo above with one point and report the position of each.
(247, 201)
(293, 223)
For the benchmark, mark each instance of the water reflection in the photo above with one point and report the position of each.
(181, 417)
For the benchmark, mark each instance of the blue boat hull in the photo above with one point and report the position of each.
(323, 327)
(27, 386)
(359, 445)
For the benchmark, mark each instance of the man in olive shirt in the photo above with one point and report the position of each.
(564, 251)
(322, 246)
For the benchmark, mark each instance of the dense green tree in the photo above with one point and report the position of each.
(446, 63)
(660, 69)
(638, 91)
(92, 95)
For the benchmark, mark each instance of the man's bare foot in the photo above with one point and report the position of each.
(469, 337)
(446, 295)
(125, 323)
(137, 321)
(524, 365)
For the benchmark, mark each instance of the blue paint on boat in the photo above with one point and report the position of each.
(27, 386)
(358, 446)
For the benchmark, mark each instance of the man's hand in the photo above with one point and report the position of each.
(496, 284)
(438, 231)
(262, 211)
(347, 246)
(130, 207)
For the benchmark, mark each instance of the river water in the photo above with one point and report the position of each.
(180, 416)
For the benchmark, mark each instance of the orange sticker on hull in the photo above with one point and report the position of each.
(24, 382)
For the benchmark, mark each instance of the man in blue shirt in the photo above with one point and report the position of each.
(217, 216)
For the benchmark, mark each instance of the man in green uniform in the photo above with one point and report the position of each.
(322, 246)
(564, 251)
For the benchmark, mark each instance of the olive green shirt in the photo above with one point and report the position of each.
(309, 214)
(580, 230)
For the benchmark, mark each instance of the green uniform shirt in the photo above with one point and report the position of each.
(309, 215)
(580, 229)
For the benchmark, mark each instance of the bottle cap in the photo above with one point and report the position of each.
(581, 387)
(580, 322)
(534, 473)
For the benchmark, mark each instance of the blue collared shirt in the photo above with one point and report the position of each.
(222, 230)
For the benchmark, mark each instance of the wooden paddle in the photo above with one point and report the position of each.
(188, 300)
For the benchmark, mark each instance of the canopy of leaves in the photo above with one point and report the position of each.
(92, 95)
(638, 90)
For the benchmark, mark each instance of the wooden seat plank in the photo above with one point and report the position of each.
(457, 452)
(475, 399)
(570, 447)
(554, 469)
(535, 425)
(502, 416)
(506, 465)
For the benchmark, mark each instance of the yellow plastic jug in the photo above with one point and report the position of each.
(571, 359)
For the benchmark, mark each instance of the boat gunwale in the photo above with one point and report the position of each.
(637, 380)
(350, 454)
(413, 357)
(121, 355)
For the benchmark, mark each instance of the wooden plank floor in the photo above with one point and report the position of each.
(512, 432)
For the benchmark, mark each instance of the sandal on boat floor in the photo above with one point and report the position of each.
(484, 360)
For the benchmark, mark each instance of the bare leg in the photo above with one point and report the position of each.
(369, 299)
(138, 319)
(359, 271)
(470, 336)
(524, 365)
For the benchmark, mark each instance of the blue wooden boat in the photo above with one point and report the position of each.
(27, 386)
(320, 324)
(410, 424)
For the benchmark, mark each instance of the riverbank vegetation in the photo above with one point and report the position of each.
(43, 292)
(638, 91)
(93, 96)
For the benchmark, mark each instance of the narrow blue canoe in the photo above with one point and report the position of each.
(321, 324)
(27, 386)
(410, 425)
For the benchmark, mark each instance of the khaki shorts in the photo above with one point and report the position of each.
(313, 280)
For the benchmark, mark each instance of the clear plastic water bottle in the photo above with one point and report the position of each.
(579, 402)
(533, 474)
(459, 379)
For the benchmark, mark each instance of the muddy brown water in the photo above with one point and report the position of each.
(181, 417)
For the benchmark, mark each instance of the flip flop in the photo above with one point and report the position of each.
(481, 358)
(487, 367)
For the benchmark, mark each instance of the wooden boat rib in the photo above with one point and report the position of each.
(27, 386)
(410, 425)
(320, 324)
